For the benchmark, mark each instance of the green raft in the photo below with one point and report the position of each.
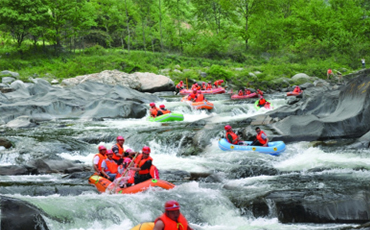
(267, 106)
(168, 117)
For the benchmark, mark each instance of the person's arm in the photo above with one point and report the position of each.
(159, 225)
(116, 151)
(266, 139)
(96, 162)
(104, 167)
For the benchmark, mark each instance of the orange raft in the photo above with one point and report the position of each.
(102, 184)
(218, 90)
(199, 105)
(293, 93)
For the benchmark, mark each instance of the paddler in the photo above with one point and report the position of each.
(109, 166)
(193, 95)
(261, 102)
(179, 87)
(143, 166)
(200, 96)
(297, 89)
(218, 83)
(171, 219)
(118, 150)
(154, 111)
(261, 138)
(209, 86)
(232, 137)
(98, 159)
(163, 109)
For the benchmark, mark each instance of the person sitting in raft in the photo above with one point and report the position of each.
(143, 166)
(98, 159)
(109, 166)
(209, 86)
(163, 109)
(193, 95)
(179, 87)
(118, 150)
(154, 111)
(198, 86)
(247, 91)
(127, 175)
(240, 93)
(171, 218)
(200, 97)
(297, 89)
(261, 102)
(261, 138)
(218, 83)
(204, 87)
(259, 92)
(231, 137)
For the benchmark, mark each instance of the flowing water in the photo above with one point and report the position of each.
(207, 205)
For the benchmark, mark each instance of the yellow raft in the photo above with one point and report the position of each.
(144, 226)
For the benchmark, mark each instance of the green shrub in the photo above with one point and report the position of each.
(217, 72)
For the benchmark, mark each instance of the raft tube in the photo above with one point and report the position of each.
(202, 105)
(293, 93)
(168, 117)
(218, 90)
(267, 106)
(102, 184)
(237, 97)
(144, 226)
(274, 147)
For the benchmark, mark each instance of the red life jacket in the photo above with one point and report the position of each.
(259, 92)
(209, 86)
(169, 224)
(179, 86)
(297, 90)
(330, 71)
(234, 137)
(111, 165)
(140, 162)
(101, 158)
(219, 82)
(191, 96)
(155, 112)
(204, 87)
(240, 93)
(200, 98)
(120, 151)
(247, 92)
(193, 87)
(154, 172)
(260, 139)
(165, 111)
(262, 101)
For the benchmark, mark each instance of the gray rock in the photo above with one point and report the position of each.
(2, 85)
(177, 71)
(306, 85)
(19, 214)
(54, 81)
(21, 122)
(151, 82)
(17, 170)
(45, 166)
(7, 80)
(7, 72)
(203, 74)
(5, 142)
(301, 76)
(321, 83)
(238, 69)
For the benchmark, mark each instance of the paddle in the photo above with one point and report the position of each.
(117, 181)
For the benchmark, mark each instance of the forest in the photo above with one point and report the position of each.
(296, 35)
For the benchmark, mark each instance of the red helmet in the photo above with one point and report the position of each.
(221, 81)
(203, 83)
(128, 150)
(146, 150)
(181, 82)
(171, 205)
(196, 83)
(195, 91)
(227, 127)
(161, 106)
(152, 104)
(120, 138)
(102, 147)
(109, 152)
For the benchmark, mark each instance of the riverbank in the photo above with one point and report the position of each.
(262, 71)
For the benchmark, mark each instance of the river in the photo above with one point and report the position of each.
(207, 203)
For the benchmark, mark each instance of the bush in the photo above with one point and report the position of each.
(217, 72)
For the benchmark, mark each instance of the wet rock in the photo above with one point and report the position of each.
(74, 169)
(7, 72)
(45, 166)
(7, 80)
(19, 214)
(18, 170)
(54, 81)
(292, 100)
(174, 175)
(5, 142)
(300, 76)
(22, 122)
(151, 82)
(245, 171)
(6, 90)
(306, 85)
(79, 175)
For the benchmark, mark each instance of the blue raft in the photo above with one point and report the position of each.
(274, 147)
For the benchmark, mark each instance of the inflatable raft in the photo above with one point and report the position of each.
(144, 226)
(102, 184)
(218, 90)
(199, 105)
(237, 97)
(168, 117)
(293, 93)
(274, 147)
(267, 106)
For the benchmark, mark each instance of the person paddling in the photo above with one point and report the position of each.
(154, 111)
(261, 102)
(209, 85)
(109, 166)
(171, 219)
(143, 166)
(98, 159)
(261, 138)
(118, 150)
(163, 109)
(247, 92)
(179, 87)
(240, 93)
(193, 95)
(200, 97)
(232, 137)
(297, 89)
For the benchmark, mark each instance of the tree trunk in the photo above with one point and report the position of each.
(128, 29)
(160, 24)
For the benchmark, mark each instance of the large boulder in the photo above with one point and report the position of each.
(301, 76)
(9, 73)
(22, 122)
(19, 214)
(145, 82)
(88, 100)
(45, 166)
(7, 80)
